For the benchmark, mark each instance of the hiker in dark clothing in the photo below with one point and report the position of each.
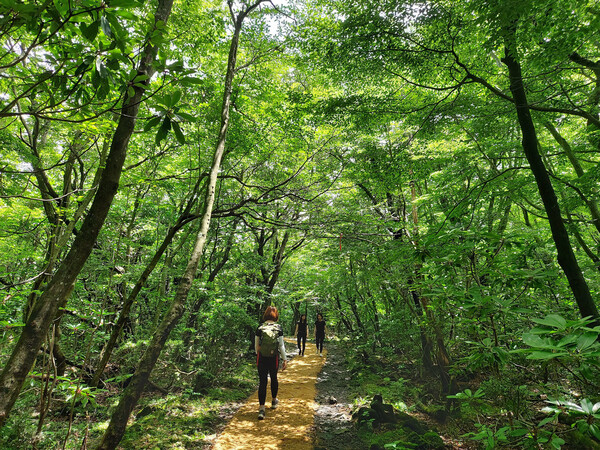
(269, 347)
(320, 330)
(301, 332)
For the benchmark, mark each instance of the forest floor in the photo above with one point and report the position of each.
(334, 429)
(315, 410)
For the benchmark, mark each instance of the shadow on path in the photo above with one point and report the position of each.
(291, 425)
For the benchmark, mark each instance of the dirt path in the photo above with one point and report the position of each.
(291, 425)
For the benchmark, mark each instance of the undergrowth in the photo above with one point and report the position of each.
(180, 420)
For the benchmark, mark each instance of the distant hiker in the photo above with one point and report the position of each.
(320, 330)
(269, 347)
(301, 332)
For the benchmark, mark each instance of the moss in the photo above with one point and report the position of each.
(579, 440)
(433, 440)
(400, 438)
(380, 439)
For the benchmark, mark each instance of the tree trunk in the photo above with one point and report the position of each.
(278, 258)
(56, 293)
(132, 393)
(128, 303)
(193, 317)
(426, 343)
(343, 317)
(590, 202)
(566, 257)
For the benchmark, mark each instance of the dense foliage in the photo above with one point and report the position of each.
(425, 174)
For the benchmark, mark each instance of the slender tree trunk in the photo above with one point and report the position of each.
(354, 309)
(426, 343)
(48, 193)
(278, 262)
(590, 202)
(343, 317)
(56, 293)
(193, 317)
(128, 303)
(132, 393)
(566, 257)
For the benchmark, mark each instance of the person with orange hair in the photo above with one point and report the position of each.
(270, 349)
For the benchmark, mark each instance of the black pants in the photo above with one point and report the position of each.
(319, 339)
(301, 344)
(267, 366)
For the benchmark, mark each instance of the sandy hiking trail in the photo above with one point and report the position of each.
(291, 425)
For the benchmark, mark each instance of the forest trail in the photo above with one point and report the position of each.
(291, 425)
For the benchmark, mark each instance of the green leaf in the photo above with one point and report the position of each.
(187, 116)
(569, 339)
(141, 77)
(96, 78)
(595, 430)
(163, 130)
(546, 355)
(518, 432)
(191, 80)
(124, 14)
(113, 64)
(175, 97)
(534, 340)
(81, 68)
(61, 6)
(176, 66)
(178, 133)
(4, 323)
(552, 320)
(547, 420)
(587, 406)
(123, 3)
(156, 37)
(115, 26)
(90, 31)
(587, 340)
(105, 26)
(104, 89)
(152, 123)
(101, 68)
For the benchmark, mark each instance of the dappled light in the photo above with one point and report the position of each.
(290, 426)
(413, 183)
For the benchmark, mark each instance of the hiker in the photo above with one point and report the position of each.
(301, 332)
(320, 330)
(269, 347)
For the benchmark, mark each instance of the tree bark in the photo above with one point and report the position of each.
(195, 310)
(566, 256)
(132, 393)
(426, 343)
(55, 295)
